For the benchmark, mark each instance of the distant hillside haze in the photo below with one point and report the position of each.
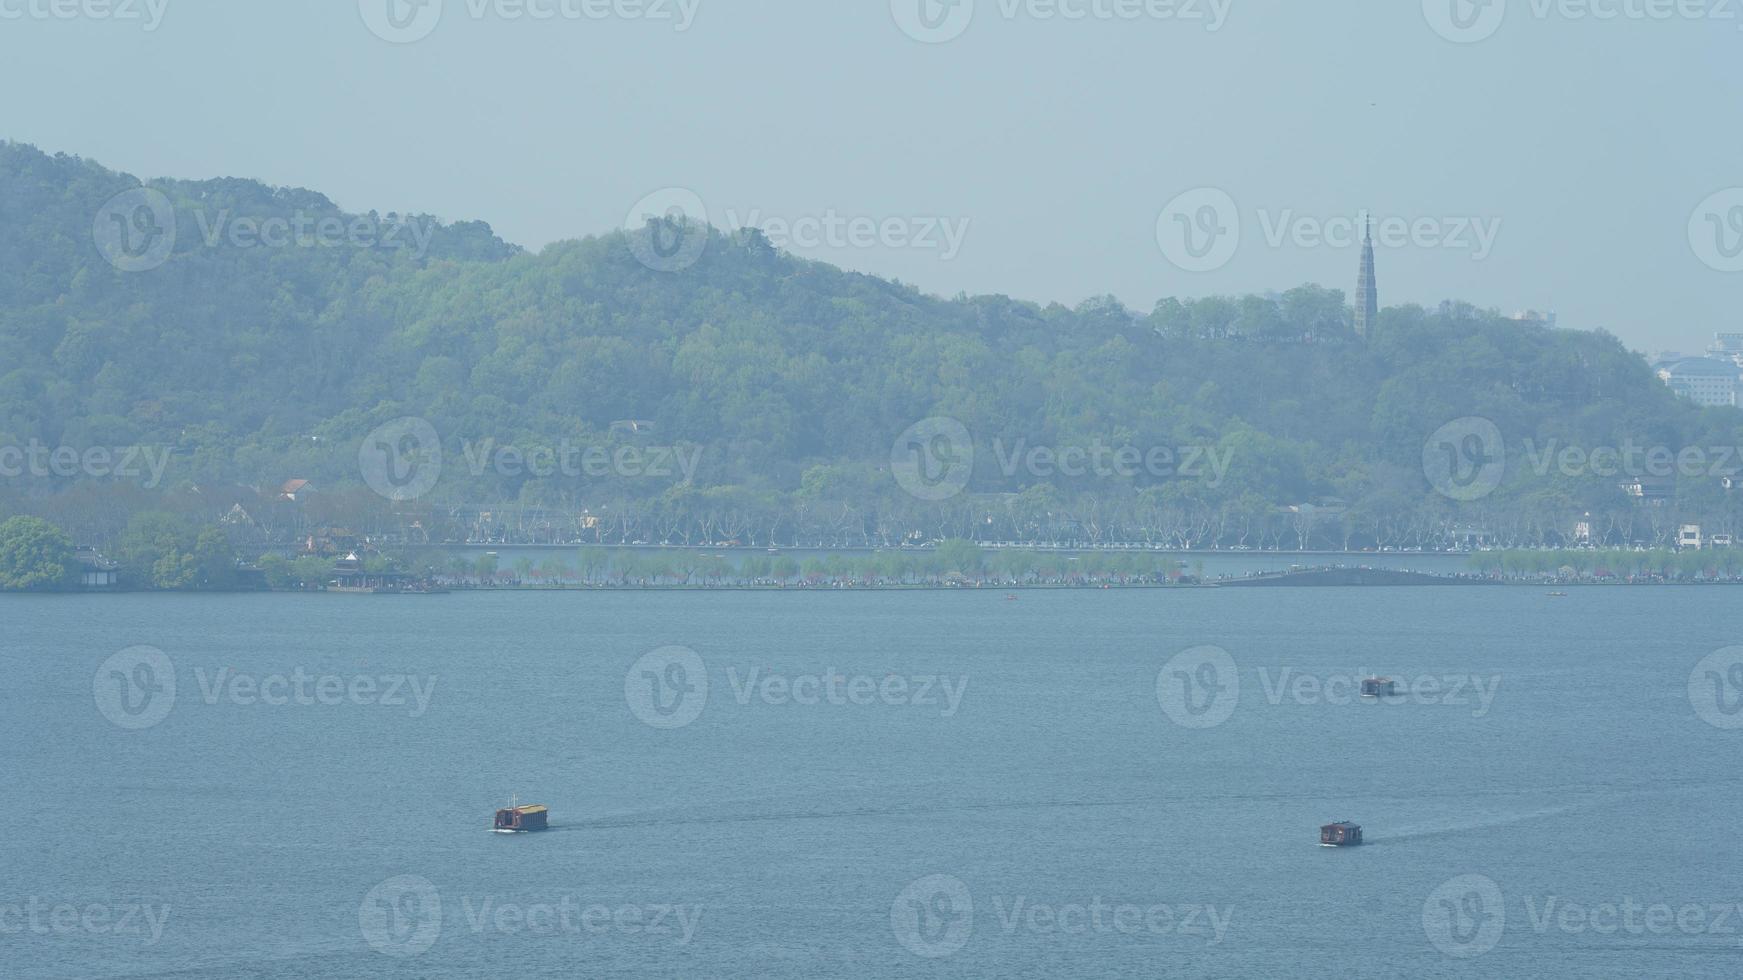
(256, 335)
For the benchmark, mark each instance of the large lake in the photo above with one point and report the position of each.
(887, 784)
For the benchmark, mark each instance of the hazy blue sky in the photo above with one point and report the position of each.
(1584, 137)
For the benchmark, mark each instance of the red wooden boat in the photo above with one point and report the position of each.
(518, 819)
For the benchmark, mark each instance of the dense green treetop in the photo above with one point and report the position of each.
(35, 556)
(259, 363)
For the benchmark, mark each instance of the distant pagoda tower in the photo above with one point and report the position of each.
(1367, 294)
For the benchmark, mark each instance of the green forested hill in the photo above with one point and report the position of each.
(259, 362)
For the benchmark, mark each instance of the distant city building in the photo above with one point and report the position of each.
(1689, 537)
(1536, 318)
(1702, 380)
(1367, 291)
(1727, 347)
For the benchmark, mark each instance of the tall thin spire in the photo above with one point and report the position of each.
(1367, 293)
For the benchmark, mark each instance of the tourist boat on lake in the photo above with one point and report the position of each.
(1341, 834)
(1379, 687)
(518, 819)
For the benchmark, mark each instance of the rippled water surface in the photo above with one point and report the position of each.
(876, 784)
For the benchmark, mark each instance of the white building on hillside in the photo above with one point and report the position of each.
(1702, 380)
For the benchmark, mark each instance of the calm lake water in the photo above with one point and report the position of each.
(874, 784)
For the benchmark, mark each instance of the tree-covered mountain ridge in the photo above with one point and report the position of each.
(278, 331)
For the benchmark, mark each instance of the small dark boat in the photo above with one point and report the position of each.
(1379, 687)
(1341, 834)
(519, 819)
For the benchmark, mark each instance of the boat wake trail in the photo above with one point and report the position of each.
(1455, 826)
(843, 813)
